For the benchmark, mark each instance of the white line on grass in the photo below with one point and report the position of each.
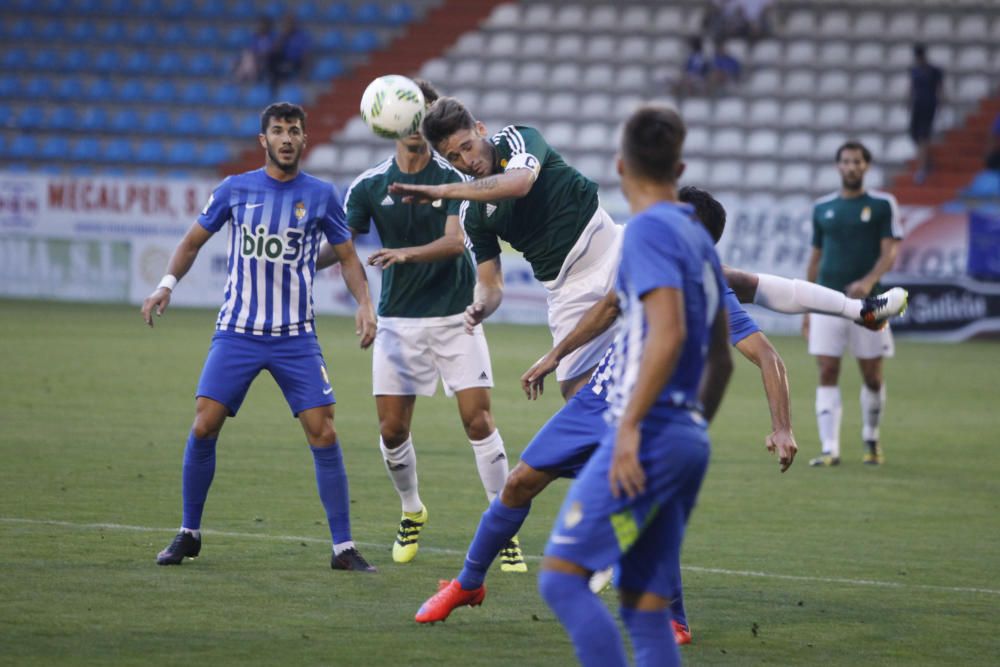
(455, 552)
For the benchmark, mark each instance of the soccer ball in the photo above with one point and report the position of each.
(392, 106)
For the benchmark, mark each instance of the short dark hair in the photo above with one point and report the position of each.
(853, 145)
(652, 141)
(282, 111)
(920, 51)
(707, 208)
(444, 118)
(431, 93)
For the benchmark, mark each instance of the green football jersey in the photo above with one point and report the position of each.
(544, 224)
(849, 233)
(419, 289)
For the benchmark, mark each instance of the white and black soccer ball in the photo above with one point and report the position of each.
(392, 106)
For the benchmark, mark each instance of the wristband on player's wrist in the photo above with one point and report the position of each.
(168, 281)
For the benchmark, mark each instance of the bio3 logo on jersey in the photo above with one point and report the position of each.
(272, 247)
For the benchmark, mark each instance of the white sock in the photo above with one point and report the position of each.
(872, 405)
(341, 547)
(401, 464)
(793, 296)
(189, 531)
(491, 459)
(828, 411)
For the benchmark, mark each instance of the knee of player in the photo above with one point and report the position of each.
(479, 425)
(521, 486)
(393, 431)
(324, 436)
(205, 428)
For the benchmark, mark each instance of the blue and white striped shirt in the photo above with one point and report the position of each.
(275, 230)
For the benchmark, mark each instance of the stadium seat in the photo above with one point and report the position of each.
(869, 24)
(826, 179)
(69, 89)
(937, 27)
(9, 87)
(355, 159)
(669, 20)
(941, 55)
(834, 53)
(801, 52)
(625, 105)
(60, 118)
(796, 176)
(16, 28)
(84, 31)
(568, 47)
(124, 121)
(598, 77)
(117, 149)
(467, 71)
(868, 85)
(797, 145)
(507, 15)
(835, 84)
(30, 117)
(24, 146)
(398, 14)
(168, 63)
(726, 174)
(973, 59)
(14, 59)
(307, 12)
(766, 52)
(972, 87)
(363, 41)
(528, 104)
(697, 141)
(695, 173)
(91, 119)
(899, 56)
(532, 75)
(833, 116)
(591, 166)
(764, 82)
(560, 135)
(205, 34)
(762, 143)
(150, 151)
(635, 19)
(696, 107)
(332, 40)
(137, 63)
(669, 50)
(213, 153)
(827, 145)
(869, 54)
(193, 93)
(727, 142)
(37, 87)
(85, 149)
(503, 44)
(181, 152)
(109, 32)
(337, 12)
(368, 13)
(761, 175)
(634, 50)
(292, 92)
(835, 24)
(202, 64)
(874, 143)
(800, 83)
(601, 48)
(632, 78)
(539, 14)
(764, 113)
(500, 73)
(867, 116)
(142, 33)
(321, 158)
(593, 136)
(801, 23)
(156, 121)
(158, 91)
(730, 111)
(328, 67)
(44, 60)
(571, 17)
(256, 97)
(562, 105)
(106, 61)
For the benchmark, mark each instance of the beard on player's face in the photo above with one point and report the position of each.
(851, 182)
(284, 156)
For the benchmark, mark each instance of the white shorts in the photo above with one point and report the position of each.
(588, 273)
(829, 336)
(411, 353)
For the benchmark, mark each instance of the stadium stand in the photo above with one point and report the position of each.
(832, 70)
(127, 84)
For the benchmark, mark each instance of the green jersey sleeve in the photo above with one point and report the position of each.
(357, 205)
(514, 141)
(888, 219)
(485, 244)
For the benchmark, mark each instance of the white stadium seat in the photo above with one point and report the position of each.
(536, 45)
(904, 25)
(801, 23)
(835, 53)
(562, 105)
(435, 70)
(826, 178)
(695, 172)
(322, 157)
(593, 136)
(726, 174)
(897, 119)
(499, 73)
(467, 72)
(797, 144)
(560, 135)
(568, 47)
(598, 77)
(899, 56)
(867, 116)
(564, 75)
(632, 77)
(835, 23)
(766, 52)
(764, 82)
(571, 17)
(503, 44)
(591, 166)
(605, 16)
(833, 116)
(533, 74)
(800, 52)
(763, 143)
(594, 105)
(669, 19)
(868, 85)
(727, 142)
(869, 24)
(730, 111)
(973, 59)
(868, 54)
(897, 85)
(798, 113)
(941, 55)
(972, 87)
(764, 113)
(796, 176)
(899, 150)
(470, 44)
(669, 49)
(538, 14)
(761, 175)
(636, 19)
(507, 15)
(800, 82)
(937, 27)
(827, 145)
(625, 105)
(874, 143)
(697, 140)
(495, 102)
(355, 130)
(635, 49)
(529, 104)
(696, 108)
(355, 159)
(602, 48)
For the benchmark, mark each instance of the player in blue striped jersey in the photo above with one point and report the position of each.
(276, 217)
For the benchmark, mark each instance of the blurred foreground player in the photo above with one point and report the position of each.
(277, 216)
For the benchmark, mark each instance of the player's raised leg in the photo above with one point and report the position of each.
(331, 481)
(395, 414)
(198, 472)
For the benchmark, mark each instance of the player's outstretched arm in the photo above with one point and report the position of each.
(512, 184)
(451, 244)
(357, 282)
(180, 263)
(487, 295)
(718, 366)
(594, 322)
(758, 349)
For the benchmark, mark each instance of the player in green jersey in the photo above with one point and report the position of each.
(427, 283)
(526, 194)
(856, 234)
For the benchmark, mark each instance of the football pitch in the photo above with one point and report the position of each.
(842, 566)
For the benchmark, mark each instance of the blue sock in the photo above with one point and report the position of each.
(677, 612)
(652, 638)
(198, 471)
(331, 479)
(587, 621)
(498, 525)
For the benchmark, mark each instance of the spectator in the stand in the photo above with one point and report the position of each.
(694, 77)
(255, 58)
(722, 19)
(993, 146)
(752, 19)
(726, 68)
(926, 82)
(290, 55)
(757, 17)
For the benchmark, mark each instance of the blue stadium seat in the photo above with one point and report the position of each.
(87, 6)
(106, 61)
(237, 37)
(337, 12)
(206, 34)
(138, 63)
(61, 118)
(36, 87)
(363, 41)
(194, 94)
(148, 8)
(257, 96)
(81, 31)
(150, 151)
(31, 117)
(178, 8)
(91, 119)
(98, 90)
(55, 7)
(172, 34)
(5, 110)
(75, 60)
(182, 151)
(9, 87)
(125, 120)
(111, 32)
(213, 153)
(291, 92)
(332, 40)
(115, 7)
(44, 60)
(161, 92)
(306, 12)
(202, 64)
(15, 58)
(69, 89)
(54, 148)
(227, 94)
(18, 28)
(50, 31)
(86, 149)
(327, 68)
(368, 13)
(23, 146)
(249, 125)
(130, 90)
(216, 10)
(168, 63)
(117, 150)
(23, 5)
(143, 32)
(398, 14)
(157, 121)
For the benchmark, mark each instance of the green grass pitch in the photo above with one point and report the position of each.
(847, 566)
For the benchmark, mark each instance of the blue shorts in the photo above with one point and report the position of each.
(642, 535)
(295, 362)
(569, 438)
